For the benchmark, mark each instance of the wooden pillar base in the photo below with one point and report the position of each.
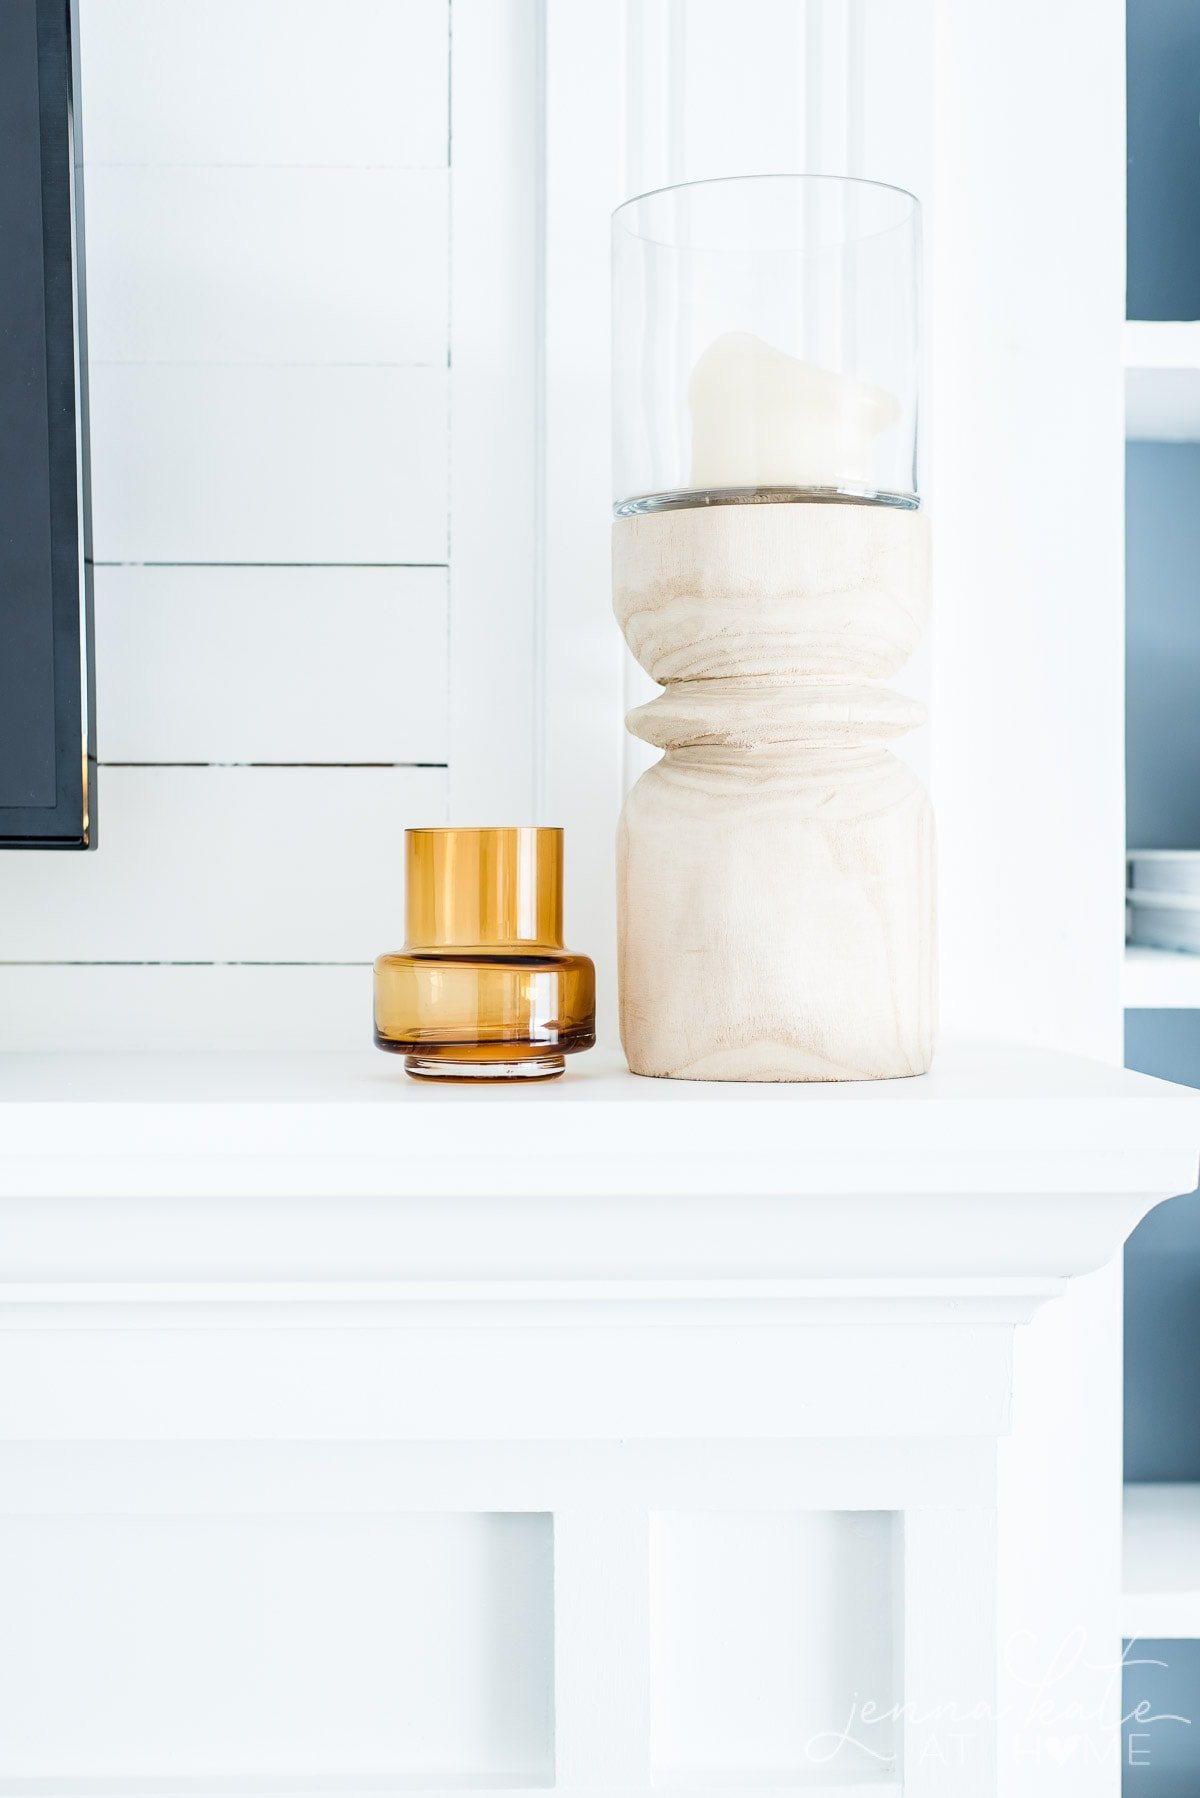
(776, 867)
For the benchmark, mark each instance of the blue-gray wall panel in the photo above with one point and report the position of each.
(1164, 159)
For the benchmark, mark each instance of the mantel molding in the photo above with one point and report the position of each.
(330, 1192)
(204, 1304)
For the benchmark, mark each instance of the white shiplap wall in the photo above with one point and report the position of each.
(269, 214)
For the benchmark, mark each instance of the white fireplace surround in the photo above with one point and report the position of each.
(358, 1436)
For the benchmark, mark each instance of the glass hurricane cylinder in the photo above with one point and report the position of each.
(771, 570)
(766, 341)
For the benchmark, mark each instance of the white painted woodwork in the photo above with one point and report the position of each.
(497, 648)
(1058, 1547)
(1024, 475)
(602, 1646)
(192, 1638)
(307, 1408)
(367, 1479)
(375, 1381)
(1160, 1588)
(1053, 1123)
(333, 665)
(226, 864)
(775, 870)
(220, 463)
(588, 69)
(752, 1678)
(266, 265)
(357, 83)
(1160, 979)
(124, 1007)
(1025, 478)
(950, 1732)
(735, 111)
(1162, 381)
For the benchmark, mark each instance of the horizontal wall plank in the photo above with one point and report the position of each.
(268, 464)
(265, 81)
(267, 265)
(271, 664)
(225, 864)
(46, 1007)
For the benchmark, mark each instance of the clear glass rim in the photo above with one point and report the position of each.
(478, 830)
(622, 214)
(687, 499)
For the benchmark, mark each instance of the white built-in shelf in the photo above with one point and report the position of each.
(1161, 980)
(1162, 381)
(1161, 1585)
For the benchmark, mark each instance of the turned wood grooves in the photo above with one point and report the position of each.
(776, 867)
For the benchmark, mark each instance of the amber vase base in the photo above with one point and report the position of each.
(538, 1067)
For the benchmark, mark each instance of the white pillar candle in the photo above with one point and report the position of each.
(761, 418)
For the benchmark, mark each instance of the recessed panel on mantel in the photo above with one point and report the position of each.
(773, 1647)
(236, 464)
(311, 82)
(272, 664)
(268, 265)
(335, 1651)
(227, 864)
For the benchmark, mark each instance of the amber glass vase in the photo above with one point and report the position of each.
(483, 988)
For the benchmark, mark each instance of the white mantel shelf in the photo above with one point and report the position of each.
(989, 1118)
(1011, 1166)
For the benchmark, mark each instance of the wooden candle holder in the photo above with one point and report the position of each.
(776, 867)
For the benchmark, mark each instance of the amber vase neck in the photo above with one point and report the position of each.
(495, 888)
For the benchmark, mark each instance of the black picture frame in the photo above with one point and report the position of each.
(47, 694)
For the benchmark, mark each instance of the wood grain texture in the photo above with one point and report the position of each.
(814, 591)
(776, 867)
